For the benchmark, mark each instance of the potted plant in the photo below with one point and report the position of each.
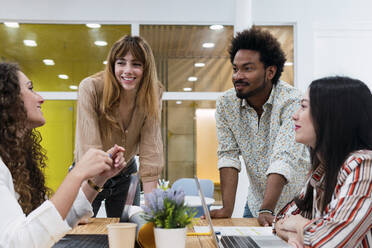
(166, 209)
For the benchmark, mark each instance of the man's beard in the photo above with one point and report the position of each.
(248, 94)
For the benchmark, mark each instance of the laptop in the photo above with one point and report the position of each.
(100, 240)
(227, 241)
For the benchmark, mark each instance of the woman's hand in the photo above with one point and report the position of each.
(117, 154)
(118, 162)
(94, 162)
(291, 229)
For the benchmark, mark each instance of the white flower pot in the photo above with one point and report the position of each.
(170, 238)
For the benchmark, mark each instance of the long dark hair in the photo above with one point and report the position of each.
(20, 147)
(341, 111)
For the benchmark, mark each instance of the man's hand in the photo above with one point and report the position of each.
(221, 213)
(274, 187)
(265, 219)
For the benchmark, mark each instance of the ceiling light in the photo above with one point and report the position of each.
(63, 76)
(178, 102)
(288, 63)
(30, 43)
(208, 45)
(192, 79)
(105, 62)
(48, 61)
(93, 25)
(216, 27)
(187, 89)
(100, 43)
(199, 64)
(11, 24)
(73, 87)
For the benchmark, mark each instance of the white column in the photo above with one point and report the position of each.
(135, 29)
(243, 15)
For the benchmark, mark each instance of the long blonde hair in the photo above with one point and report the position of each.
(148, 91)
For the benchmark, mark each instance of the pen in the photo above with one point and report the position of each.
(199, 234)
(202, 234)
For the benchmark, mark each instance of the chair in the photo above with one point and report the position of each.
(189, 187)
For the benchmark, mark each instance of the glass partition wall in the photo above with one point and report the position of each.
(196, 59)
(56, 57)
(190, 58)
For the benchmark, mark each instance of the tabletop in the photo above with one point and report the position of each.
(98, 226)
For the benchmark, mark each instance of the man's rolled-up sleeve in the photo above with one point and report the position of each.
(289, 158)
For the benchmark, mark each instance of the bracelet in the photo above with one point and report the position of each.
(94, 186)
(265, 210)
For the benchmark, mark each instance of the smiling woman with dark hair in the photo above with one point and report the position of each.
(27, 218)
(335, 208)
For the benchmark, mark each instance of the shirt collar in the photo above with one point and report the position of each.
(317, 177)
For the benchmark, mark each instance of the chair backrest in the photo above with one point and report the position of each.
(189, 187)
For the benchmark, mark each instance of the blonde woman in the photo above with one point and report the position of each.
(122, 105)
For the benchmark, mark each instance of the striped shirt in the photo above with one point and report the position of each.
(347, 219)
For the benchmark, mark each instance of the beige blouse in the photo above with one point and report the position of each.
(143, 135)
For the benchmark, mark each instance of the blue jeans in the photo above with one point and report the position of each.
(247, 212)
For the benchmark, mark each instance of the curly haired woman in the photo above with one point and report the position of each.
(27, 217)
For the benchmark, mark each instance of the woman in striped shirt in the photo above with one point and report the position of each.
(334, 209)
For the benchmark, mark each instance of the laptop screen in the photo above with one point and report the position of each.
(206, 212)
(130, 197)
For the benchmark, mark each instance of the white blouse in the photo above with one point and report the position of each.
(42, 227)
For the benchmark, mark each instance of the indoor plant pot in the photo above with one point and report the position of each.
(170, 238)
(166, 209)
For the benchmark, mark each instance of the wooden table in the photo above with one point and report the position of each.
(95, 226)
(98, 226)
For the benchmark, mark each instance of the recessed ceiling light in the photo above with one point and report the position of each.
(93, 25)
(288, 63)
(208, 45)
(30, 43)
(100, 43)
(216, 27)
(192, 79)
(63, 76)
(178, 102)
(11, 24)
(199, 64)
(187, 89)
(105, 62)
(73, 87)
(48, 61)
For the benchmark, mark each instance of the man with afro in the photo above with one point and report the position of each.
(254, 121)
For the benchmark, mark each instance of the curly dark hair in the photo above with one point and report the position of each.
(20, 147)
(263, 42)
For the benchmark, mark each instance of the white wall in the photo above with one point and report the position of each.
(318, 54)
(121, 11)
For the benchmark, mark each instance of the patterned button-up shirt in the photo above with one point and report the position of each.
(347, 219)
(267, 144)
